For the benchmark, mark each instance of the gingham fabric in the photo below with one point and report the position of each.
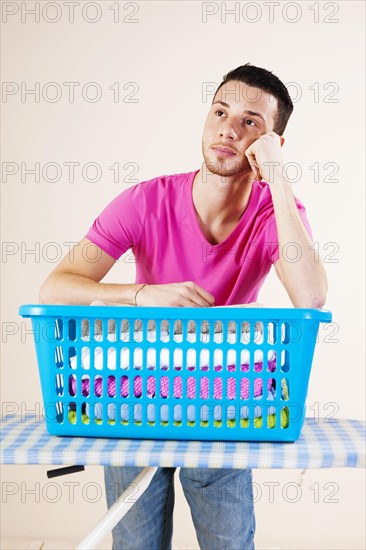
(323, 444)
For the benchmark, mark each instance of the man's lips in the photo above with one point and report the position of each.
(224, 151)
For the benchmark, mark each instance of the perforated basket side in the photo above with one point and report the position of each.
(64, 342)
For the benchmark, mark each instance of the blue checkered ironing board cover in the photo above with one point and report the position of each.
(324, 443)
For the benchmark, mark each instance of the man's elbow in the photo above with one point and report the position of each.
(318, 302)
(321, 294)
(43, 295)
(309, 303)
(46, 293)
(315, 300)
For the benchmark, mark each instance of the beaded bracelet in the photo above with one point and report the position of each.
(141, 287)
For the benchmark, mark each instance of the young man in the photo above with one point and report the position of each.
(203, 238)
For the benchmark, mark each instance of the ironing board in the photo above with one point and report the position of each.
(324, 443)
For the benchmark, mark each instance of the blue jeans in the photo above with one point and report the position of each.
(221, 503)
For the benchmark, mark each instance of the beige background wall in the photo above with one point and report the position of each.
(162, 63)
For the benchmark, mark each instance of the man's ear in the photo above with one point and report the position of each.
(282, 139)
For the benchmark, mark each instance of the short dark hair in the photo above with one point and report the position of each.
(268, 82)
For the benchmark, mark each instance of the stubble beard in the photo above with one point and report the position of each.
(223, 168)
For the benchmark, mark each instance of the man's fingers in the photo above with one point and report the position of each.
(196, 300)
(253, 163)
(196, 295)
(257, 174)
(205, 296)
(256, 171)
(185, 294)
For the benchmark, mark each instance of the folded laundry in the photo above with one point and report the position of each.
(218, 409)
(231, 420)
(153, 381)
(133, 359)
(205, 326)
(135, 356)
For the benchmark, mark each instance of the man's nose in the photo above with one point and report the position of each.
(228, 131)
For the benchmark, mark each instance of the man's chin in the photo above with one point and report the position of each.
(225, 169)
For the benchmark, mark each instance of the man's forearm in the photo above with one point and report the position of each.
(302, 274)
(69, 288)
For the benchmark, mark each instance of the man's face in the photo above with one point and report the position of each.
(239, 115)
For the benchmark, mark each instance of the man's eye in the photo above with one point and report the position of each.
(249, 120)
(222, 112)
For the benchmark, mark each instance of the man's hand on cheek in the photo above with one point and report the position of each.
(265, 156)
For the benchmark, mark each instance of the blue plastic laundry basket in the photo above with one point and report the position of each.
(175, 373)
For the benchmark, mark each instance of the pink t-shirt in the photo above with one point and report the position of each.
(157, 220)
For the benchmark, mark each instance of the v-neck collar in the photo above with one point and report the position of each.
(193, 215)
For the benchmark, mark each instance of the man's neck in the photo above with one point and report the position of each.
(221, 200)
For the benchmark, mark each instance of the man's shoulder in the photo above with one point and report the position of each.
(165, 181)
(167, 188)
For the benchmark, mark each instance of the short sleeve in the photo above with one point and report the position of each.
(119, 226)
(272, 235)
